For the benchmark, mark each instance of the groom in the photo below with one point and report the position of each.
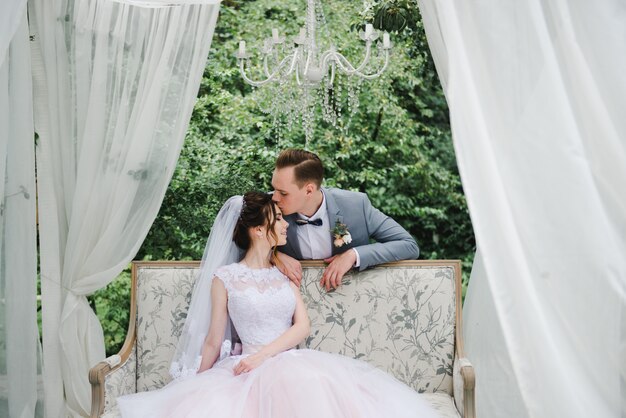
(331, 224)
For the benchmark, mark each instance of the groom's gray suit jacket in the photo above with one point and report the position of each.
(363, 221)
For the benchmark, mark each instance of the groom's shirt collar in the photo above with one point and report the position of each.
(320, 214)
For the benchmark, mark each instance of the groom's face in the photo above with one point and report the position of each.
(288, 196)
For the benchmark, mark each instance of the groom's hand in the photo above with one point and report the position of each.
(290, 267)
(338, 266)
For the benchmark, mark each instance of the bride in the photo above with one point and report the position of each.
(268, 379)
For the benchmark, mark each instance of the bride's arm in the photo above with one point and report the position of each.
(219, 318)
(293, 336)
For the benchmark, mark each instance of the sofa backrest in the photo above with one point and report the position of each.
(399, 317)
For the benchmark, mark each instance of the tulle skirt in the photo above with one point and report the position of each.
(293, 384)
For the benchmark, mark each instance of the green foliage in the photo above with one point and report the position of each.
(112, 305)
(397, 148)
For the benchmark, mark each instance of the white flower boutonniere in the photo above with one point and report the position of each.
(341, 234)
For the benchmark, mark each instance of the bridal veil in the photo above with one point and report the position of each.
(220, 250)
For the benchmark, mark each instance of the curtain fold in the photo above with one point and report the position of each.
(11, 16)
(115, 86)
(19, 335)
(536, 94)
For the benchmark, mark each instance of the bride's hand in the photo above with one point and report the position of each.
(249, 363)
(290, 267)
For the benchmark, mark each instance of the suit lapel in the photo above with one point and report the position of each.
(292, 236)
(334, 215)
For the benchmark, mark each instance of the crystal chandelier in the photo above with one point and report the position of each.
(296, 78)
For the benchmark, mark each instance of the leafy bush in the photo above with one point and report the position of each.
(112, 305)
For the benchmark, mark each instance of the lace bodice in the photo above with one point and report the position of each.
(260, 303)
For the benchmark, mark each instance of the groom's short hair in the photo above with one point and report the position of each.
(307, 167)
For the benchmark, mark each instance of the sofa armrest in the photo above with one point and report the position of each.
(111, 378)
(464, 382)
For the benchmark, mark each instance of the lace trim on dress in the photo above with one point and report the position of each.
(240, 277)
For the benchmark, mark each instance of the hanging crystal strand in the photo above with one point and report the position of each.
(354, 89)
(350, 96)
(338, 101)
(332, 115)
(310, 109)
(303, 115)
(295, 110)
(274, 111)
(277, 137)
(279, 97)
(272, 97)
(350, 103)
(308, 117)
(332, 107)
(321, 18)
(278, 131)
(357, 94)
(276, 124)
(288, 116)
(325, 92)
(328, 111)
(261, 98)
(299, 108)
(330, 103)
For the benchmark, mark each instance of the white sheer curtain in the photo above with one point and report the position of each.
(11, 16)
(19, 336)
(537, 95)
(115, 86)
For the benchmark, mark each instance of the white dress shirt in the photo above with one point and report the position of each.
(315, 241)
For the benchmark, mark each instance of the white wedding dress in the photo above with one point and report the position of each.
(292, 384)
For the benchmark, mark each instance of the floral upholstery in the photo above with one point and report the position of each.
(163, 297)
(122, 382)
(398, 318)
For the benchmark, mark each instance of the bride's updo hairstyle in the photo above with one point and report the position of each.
(258, 210)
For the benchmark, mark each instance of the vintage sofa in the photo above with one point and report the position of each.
(402, 317)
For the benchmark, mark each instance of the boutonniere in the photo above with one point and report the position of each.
(341, 234)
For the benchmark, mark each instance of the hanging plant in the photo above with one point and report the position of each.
(394, 15)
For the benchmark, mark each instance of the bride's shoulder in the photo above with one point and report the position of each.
(227, 271)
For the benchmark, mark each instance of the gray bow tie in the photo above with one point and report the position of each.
(314, 222)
